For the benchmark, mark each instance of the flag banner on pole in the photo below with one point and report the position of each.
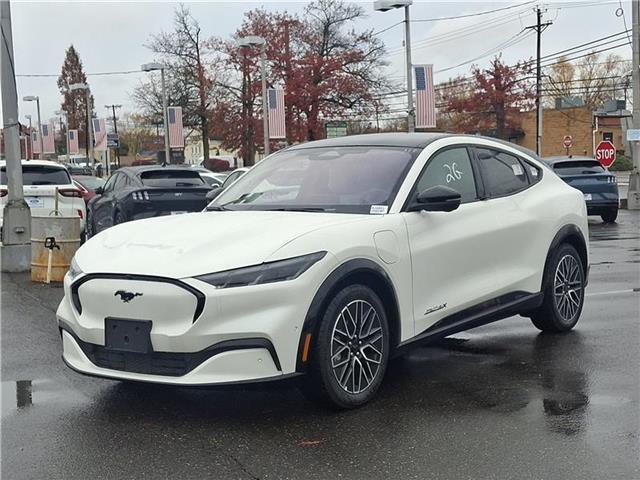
(35, 142)
(48, 141)
(99, 135)
(74, 147)
(277, 127)
(425, 97)
(176, 137)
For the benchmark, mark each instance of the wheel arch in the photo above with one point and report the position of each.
(573, 236)
(356, 271)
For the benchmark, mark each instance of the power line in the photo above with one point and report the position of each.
(473, 14)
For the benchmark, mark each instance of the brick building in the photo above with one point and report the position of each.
(584, 125)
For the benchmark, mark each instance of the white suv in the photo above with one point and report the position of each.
(41, 178)
(325, 260)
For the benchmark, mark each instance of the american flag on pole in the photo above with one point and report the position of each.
(425, 97)
(99, 135)
(277, 127)
(176, 136)
(48, 142)
(35, 142)
(73, 141)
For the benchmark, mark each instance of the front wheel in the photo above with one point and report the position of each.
(564, 283)
(351, 350)
(610, 215)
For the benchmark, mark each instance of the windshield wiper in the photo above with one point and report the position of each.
(214, 207)
(297, 209)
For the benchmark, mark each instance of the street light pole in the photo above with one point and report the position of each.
(16, 228)
(30, 146)
(167, 151)
(383, 6)
(85, 87)
(252, 41)
(633, 196)
(150, 67)
(265, 108)
(35, 98)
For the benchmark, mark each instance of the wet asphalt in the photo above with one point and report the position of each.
(499, 402)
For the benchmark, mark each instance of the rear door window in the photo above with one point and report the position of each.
(578, 167)
(171, 178)
(503, 174)
(40, 175)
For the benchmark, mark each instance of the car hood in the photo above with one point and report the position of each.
(197, 243)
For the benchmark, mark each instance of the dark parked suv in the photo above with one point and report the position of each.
(597, 183)
(133, 193)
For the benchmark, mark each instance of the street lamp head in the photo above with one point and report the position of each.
(78, 86)
(251, 41)
(384, 5)
(60, 112)
(150, 67)
(30, 98)
(28, 117)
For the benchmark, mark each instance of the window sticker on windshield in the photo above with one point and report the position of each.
(378, 210)
(534, 171)
(517, 169)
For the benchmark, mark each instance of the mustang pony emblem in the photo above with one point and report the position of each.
(126, 297)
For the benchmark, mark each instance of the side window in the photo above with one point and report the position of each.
(451, 168)
(534, 172)
(121, 182)
(108, 187)
(502, 173)
(230, 179)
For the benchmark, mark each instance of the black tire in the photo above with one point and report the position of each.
(610, 215)
(323, 382)
(563, 293)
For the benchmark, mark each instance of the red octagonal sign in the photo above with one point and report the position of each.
(606, 153)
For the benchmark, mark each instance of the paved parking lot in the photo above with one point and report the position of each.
(501, 401)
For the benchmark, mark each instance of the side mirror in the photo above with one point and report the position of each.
(213, 193)
(436, 199)
(99, 191)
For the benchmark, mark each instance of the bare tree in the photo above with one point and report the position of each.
(594, 78)
(187, 55)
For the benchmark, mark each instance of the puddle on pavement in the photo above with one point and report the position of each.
(22, 395)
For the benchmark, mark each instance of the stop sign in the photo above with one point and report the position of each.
(606, 153)
(567, 141)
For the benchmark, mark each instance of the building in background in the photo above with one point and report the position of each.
(193, 153)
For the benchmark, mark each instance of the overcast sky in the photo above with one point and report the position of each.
(110, 36)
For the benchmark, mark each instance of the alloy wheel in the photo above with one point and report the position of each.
(567, 287)
(357, 346)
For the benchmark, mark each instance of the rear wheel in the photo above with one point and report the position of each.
(564, 283)
(610, 215)
(351, 349)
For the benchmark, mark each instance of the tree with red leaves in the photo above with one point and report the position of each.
(326, 69)
(490, 101)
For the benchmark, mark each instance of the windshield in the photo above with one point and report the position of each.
(335, 179)
(578, 167)
(40, 175)
(171, 178)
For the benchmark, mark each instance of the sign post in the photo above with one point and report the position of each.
(606, 153)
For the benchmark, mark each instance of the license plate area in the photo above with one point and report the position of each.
(128, 335)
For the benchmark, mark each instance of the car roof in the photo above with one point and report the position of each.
(403, 139)
(149, 168)
(43, 163)
(397, 139)
(561, 159)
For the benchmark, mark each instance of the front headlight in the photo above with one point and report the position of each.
(74, 270)
(269, 272)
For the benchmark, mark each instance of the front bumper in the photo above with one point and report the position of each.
(243, 334)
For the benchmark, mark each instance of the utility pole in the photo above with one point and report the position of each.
(633, 196)
(411, 114)
(16, 229)
(539, 27)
